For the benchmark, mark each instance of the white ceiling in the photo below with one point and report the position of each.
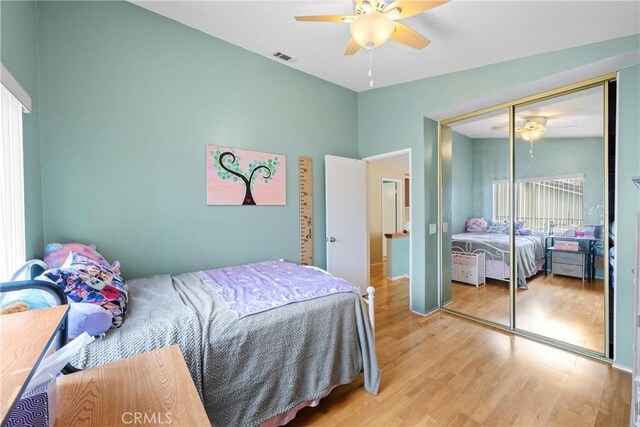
(464, 33)
(571, 116)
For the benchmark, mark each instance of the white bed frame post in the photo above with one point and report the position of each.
(371, 292)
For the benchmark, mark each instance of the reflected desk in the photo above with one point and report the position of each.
(549, 243)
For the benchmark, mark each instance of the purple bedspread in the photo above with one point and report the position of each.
(253, 288)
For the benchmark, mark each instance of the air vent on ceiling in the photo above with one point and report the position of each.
(282, 56)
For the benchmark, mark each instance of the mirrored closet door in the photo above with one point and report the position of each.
(475, 242)
(525, 208)
(560, 217)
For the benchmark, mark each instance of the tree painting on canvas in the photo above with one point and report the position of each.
(241, 177)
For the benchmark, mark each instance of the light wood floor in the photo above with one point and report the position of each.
(442, 370)
(559, 307)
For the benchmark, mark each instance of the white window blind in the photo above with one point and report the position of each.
(541, 202)
(12, 228)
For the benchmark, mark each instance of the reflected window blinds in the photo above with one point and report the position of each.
(543, 203)
(12, 227)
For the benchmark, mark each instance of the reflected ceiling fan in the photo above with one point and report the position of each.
(533, 129)
(374, 21)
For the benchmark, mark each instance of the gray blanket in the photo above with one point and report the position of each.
(249, 370)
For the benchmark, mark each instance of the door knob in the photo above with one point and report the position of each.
(332, 239)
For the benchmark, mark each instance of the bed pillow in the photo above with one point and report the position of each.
(476, 224)
(525, 232)
(56, 254)
(87, 281)
(89, 318)
(501, 227)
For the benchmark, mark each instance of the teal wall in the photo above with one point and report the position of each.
(628, 166)
(462, 182)
(491, 162)
(18, 53)
(407, 107)
(399, 256)
(128, 101)
(551, 157)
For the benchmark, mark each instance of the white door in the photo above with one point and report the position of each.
(390, 204)
(347, 229)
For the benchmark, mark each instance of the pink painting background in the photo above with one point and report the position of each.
(230, 192)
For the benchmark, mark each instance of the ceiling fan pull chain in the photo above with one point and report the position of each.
(370, 67)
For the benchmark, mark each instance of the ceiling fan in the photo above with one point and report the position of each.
(374, 21)
(533, 128)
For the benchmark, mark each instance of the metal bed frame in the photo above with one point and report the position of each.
(59, 296)
(492, 253)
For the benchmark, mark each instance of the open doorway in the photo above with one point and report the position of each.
(393, 220)
(389, 216)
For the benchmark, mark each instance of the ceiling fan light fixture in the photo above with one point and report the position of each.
(533, 129)
(393, 13)
(371, 30)
(532, 132)
(532, 135)
(364, 7)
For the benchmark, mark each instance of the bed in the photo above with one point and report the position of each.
(255, 370)
(529, 253)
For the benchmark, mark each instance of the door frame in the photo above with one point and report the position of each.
(398, 207)
(511, 106)
(397, 153)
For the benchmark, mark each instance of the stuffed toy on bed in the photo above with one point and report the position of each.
(82, 317)
(14, 308)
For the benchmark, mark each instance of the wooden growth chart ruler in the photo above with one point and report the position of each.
(306, 210)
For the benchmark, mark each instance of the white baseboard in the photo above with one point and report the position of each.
(433, 310)
(622, 367)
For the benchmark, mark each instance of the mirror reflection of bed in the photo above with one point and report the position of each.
(559, 187)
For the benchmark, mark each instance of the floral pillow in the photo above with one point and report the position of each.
(56, 254)
(476, 224)
(501, 227)
(88, 281)
(525, 232)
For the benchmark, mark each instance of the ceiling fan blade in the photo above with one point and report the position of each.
(325, 18)
(352, 47)
(407, 8)
(409, 36)
(554, 126)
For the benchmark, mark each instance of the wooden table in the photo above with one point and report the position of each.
(24, 338)
(151, 388)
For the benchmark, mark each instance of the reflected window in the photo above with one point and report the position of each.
(544, 204)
